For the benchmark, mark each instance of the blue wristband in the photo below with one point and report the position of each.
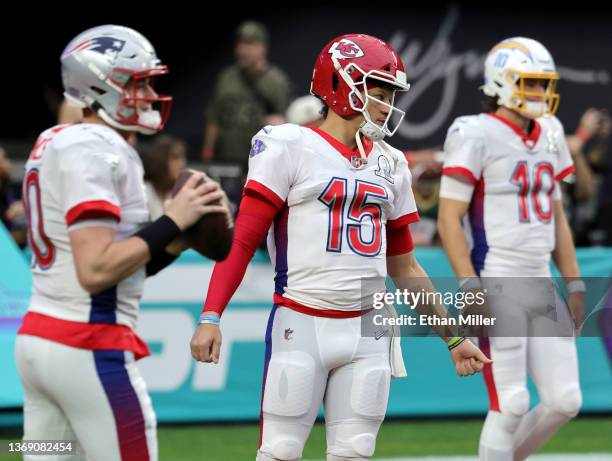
(210, 319)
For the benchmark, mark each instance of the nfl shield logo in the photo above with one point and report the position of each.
(356, 162)
(257, 148)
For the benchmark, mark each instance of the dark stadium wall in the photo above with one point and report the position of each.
(442, 47)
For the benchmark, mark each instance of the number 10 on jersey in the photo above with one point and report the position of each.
(531, 187)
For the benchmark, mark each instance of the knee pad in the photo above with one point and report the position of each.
(282, 449)
(359, 447)
(364, 444)
(566, 402)
(354, 440)
(370, 392)
(289, 384)
(283, 440)
(497, 434)
(514, 401)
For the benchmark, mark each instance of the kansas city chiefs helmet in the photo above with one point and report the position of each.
(349, 65)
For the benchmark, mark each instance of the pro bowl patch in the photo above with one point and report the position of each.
(257, 148)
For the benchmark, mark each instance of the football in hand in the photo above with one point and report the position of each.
(213, 233)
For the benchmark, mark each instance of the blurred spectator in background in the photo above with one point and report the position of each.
(586, 198)
(11, 207)
(601, 161)
(248, 95)
(426, 168)
(305, 110)
(163, 163)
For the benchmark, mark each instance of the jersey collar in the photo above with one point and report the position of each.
(344, 150)
(531, 139)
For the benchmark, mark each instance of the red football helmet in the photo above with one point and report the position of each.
(345, 69)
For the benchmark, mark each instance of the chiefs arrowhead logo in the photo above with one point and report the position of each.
(346, 49)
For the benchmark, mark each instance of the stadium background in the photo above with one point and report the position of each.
(442, 46)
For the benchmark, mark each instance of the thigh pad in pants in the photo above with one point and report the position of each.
(289, 384)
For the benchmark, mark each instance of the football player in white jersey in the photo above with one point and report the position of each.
(502, 171)
(93, 244)
(337, 201)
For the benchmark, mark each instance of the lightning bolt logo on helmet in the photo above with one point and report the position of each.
(346, 49)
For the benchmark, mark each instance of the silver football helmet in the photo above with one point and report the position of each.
(101, 70)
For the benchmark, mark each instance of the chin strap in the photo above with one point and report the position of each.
(134, 128)
(390, 152)
(362, 153)
(534, 109)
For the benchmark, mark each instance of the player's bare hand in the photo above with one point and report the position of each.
(214, 199)
(576, 306)
(590, 122)
(15, 211)
(468, 358)
(206, 343)
(605, 126)
(193, 201)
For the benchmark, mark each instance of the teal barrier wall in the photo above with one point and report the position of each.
(15, 289)
(185, 391)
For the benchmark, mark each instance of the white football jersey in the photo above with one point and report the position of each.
(511, 215)
(75, 174)
(328, 242)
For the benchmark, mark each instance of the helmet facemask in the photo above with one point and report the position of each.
(359, 99)
(533, 104)
(345, 69)
(102, 66)
(129, 114)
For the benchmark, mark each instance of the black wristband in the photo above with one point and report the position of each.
(158, 235)
(159, 263)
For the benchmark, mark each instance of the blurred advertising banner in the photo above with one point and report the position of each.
(185, 391)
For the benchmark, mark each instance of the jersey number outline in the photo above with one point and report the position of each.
(530, 186)
(42, 247)
(334, 196)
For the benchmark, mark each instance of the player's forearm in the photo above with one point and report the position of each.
(255, 217)
(109, 265)
(124, 258)
(407, 274)
(564, 254)
(101, 262)
(455, 245)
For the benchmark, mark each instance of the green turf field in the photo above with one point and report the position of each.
(396, 439)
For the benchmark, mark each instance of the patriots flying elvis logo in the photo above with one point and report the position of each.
(108, 46)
